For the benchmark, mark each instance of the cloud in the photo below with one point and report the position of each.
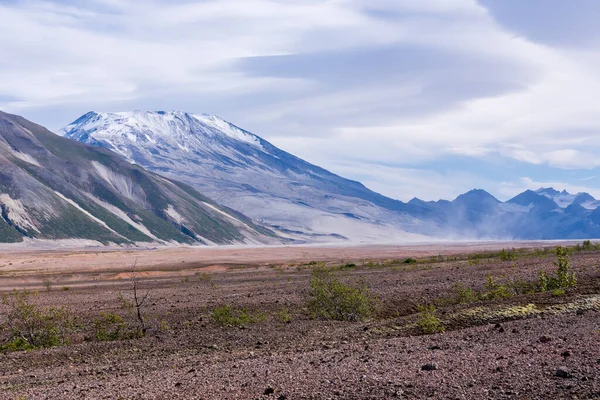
(386, 85)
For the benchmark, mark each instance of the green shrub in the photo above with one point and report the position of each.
(28, 327)
(429, 323)
(225, 315)
(564, 276)
(465, 295)
(508, 255)
(112, 326)
(284, 316)
(332, 299)
(496, 290)
(558, 292)
(410, 261)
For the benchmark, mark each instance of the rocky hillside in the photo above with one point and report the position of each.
(55, 188)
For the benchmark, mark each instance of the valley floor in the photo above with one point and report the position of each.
(522, 346)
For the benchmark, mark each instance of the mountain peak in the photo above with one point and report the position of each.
(166, 129)
(529, 198)
(477, 193)
(549, 192)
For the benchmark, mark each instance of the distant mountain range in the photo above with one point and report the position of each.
(302, 201)
(55, 188)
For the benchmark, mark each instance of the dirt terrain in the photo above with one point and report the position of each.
(523, 346)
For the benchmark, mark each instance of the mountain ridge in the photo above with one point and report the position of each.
(249, 174)
(55, 188)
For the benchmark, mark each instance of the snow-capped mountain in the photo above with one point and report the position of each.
(564, 199)
(245, 172)
(295, 198)
(54, 188)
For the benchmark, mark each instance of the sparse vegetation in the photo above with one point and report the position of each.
(136, 304)
(112, 326)
(508, 255)
(284, 316)
(564, 276)
(465, 294)
(496, 290)
(28, 326)
(331, 298)
(228, 316)
(47, 284)
(429, 323)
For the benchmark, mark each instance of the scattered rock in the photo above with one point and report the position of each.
(545, 339)
(269, 390)
(435, 347)
(429, 367)
(566, 354)
(563, 372)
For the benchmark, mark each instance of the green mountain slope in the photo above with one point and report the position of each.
(55, 188)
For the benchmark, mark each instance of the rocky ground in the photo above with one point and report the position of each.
(530, 346)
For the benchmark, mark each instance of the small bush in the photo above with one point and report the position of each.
(225, 315)
(348, 266)
(558, 292)
(110, 327)
(284, 316)
(564, 276)
(47, 284)
(332, 299)
(429, 323)
(465, 295)
(496, 290)
(29, 327)
(410, 261)
(508, 255)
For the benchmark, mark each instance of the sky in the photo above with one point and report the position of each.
(413, 98)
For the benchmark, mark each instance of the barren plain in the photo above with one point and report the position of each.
(522, 345)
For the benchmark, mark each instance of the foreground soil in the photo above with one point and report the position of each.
(502, 349)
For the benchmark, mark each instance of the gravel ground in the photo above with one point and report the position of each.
(498, 355)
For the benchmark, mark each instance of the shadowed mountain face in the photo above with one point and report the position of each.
(55, 188)
(250, 175)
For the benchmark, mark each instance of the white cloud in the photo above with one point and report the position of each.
(508, 97)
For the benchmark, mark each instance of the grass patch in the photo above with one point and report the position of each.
(332, 299)
(227, 316)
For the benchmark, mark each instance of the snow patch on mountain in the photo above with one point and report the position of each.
(16, 213)
(119, 182)
(564, 199)
(171, 212)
